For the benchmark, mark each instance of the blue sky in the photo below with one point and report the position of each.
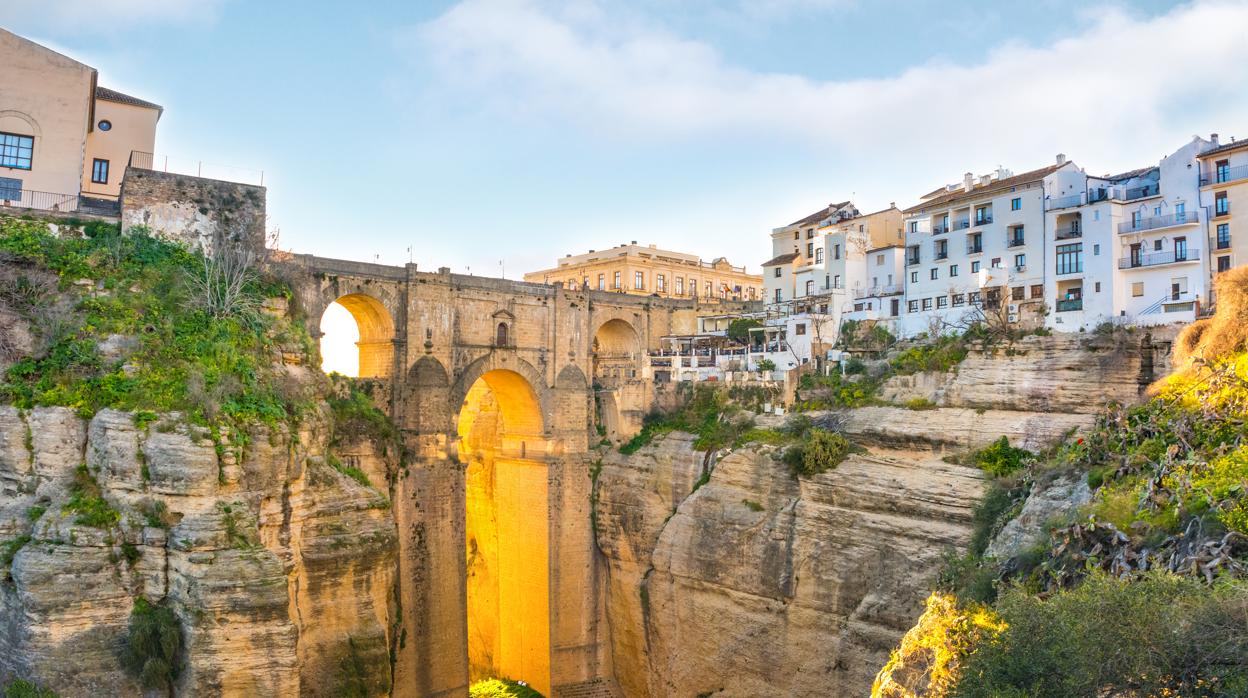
(487, 130)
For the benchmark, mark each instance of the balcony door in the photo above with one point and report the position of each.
(1135, 255)
(1180, 249)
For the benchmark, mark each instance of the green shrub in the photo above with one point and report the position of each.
(86, 500)
(35, 513)
(1000, 458)
(855, 366)
(1161, 635)
(818, 452)
(8, 551)
(968, 578)
(156, 514)
(752, 505)
(152, 652)
(739, 329)
(998, 505)
(501, 688)
(920, 403)
(765, 365)
(20, 688)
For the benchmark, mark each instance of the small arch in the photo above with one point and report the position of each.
(374, 337)
(501, 335)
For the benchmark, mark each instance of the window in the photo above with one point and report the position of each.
(935, 273)
(975, 267)
(927, 303)
(778, 273)
(879, 260)
(797, 235)
(974, 297)
(693, 287)
(602, 282)
(819, 256)
(571, 284)
(1223, 170)
(810, 250)
(639, 281)
(105, 125)
(585, 282)
(99, 171)
(836, 281)
(1224, 263)
(1221, 206)
(810, 233)
(1224, 235)
(942, 249)
(942, 301)
(708, 290)
(1016, 236)
(1016, 203)
(1017, 293)
(1180, 211)
(660, 283)
(810, 287)
(16, 151)
(799, 328)
(1097, 287)
(959, 300)
(10, 189)
(914, 228)
(983, 214)
(1137, 289)
(953, 270)
(1070, 258)
(836, 251)
(1020, 262)
(1156, 245)
(1096, 250)
(975, 243)
(616, 280)
(858, 307)
(996, 263)
(823, 308)
(862, 228)
(912, 306)
(500, 335)
(1037, 290)
(680, 286)
(914, 277)
(778, 298)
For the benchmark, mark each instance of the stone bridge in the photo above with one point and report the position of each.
(499, 387)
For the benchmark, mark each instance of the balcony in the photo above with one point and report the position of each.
(941, 255)
(1068, 232)
(938, 229)
(962, 224)
(1223, 244)
(1225, 174)
(1066, 305)
(1065, 202)
(1159, 258)
(912, 260)
(983, 220)
(974, 249)
(1137, 192)
(1158, 222)
(878, 291)
(1015, 242)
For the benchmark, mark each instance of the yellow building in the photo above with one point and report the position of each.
(647, 270)
(61, 134)
(1223, 194)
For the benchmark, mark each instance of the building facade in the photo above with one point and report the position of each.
(1223, 192)
(650, 271)
(63, 136)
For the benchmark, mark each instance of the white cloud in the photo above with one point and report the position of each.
(101, 16)
(1124, 87)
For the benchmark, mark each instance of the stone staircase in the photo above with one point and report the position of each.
(594, 688)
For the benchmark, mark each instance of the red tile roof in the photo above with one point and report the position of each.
(122, 98)
(782, 259)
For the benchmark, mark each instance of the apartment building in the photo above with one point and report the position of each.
(648, 270)
(978, 244)
(882, 299)
(1223, 191)
(65, 141)
(1127, 248)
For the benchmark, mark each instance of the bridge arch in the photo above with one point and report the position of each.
(618, 374)
(376, 334)
(507, 528)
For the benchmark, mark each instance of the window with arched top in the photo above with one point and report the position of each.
(500, 335)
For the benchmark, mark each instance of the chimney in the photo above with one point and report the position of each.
(892, 204)
(1214, 137)
(634, 242)
(968, 181)
(1061, 158)
(985, 180)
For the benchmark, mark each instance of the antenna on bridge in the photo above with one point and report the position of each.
(501, 269)
(410, 259)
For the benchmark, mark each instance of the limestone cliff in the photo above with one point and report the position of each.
(757, 583)
(279, 567)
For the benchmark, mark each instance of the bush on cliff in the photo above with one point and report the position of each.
(816, 452)
(213, 366)
(25, 689)
(152, 652)
(501, 688)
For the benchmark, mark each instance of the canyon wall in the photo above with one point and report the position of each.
(279, 568)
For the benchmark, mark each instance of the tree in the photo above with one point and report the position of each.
(153, 647)
(739, 329)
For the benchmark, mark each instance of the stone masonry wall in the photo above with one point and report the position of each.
(201, 212)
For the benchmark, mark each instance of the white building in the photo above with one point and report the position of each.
(882, 298)
(978, 244)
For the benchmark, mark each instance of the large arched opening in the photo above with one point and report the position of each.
(500, 429)
(618, 392)
(357, 337)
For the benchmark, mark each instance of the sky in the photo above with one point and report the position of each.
(494, 136)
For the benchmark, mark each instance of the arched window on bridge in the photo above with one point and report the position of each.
(357, 337)
(500, 335)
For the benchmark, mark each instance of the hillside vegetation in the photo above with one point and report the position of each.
(1143, 591)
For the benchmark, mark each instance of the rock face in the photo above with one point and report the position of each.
(759, 584)
(279, 568)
